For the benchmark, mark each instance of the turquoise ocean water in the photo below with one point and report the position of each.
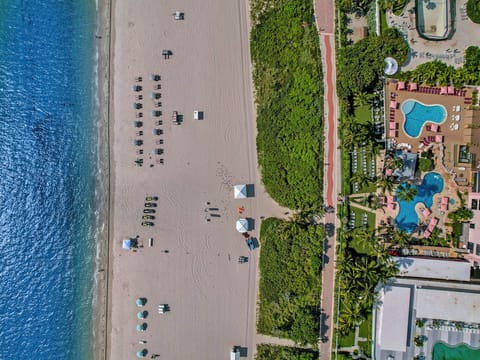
(49, 178)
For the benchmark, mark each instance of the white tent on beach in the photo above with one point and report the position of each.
(127, 244)
(240, 191)
(242, 225)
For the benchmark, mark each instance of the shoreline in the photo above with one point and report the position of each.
(100, 306)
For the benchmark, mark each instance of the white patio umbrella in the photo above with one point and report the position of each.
(240, 191)
(242, 225)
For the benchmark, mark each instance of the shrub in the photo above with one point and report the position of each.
(473, 10)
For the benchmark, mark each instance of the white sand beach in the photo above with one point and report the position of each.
(212, 297)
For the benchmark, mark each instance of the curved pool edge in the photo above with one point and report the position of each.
(425, 122)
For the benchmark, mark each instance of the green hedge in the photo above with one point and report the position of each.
(290, 282)
(272, 352)
(473, 10)
(288, 87)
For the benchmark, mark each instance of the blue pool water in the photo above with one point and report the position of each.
(407, 218)
(49, 178)
(417, 114)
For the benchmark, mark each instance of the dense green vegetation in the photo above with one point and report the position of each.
(290, 265)
(288, 88)
(473, 10)
(437, 73)
(272, 352)
(361, 65)
(359, 274)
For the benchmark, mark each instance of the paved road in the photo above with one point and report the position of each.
(325, 20)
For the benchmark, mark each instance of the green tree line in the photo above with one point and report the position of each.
(288, 87)
(290, 282)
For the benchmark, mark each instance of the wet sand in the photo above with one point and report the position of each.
(212, 297)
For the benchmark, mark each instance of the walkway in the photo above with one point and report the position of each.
(325, 21)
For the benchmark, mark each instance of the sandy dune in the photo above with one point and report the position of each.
(212, 297)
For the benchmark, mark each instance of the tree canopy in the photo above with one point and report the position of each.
(288, 89)
(473, 10)
(290, 265)
(362, 64)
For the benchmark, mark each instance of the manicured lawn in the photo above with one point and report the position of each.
(347, 341)
(365, 330)
(359, 215)
(363, 114)
(383, 21)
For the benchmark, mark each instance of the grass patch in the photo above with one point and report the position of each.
(383, 22)
(363, 114)
(289, 295)
(365, 328)
(366, 347)
(359, 216)
(347, 341)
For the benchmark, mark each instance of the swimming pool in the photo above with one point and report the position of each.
(417, 114)
(407, 218)
(442, 351)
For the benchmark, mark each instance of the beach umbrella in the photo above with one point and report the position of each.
(240, 191)
(142, 327)
(141, 302)
(142, 353)
(242, 225)
(127, 244)
(142, 314)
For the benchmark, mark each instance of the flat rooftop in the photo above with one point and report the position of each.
(433, 268)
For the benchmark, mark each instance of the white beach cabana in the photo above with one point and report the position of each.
(242, 225)
(127, 244)
(240, 191)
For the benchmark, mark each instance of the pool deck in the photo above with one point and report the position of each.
(456, 130)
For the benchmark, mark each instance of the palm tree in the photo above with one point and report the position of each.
(406, 192)
(361, 179)
(400, 238)
(362, 98)
(385, 183)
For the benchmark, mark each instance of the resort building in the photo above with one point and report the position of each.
(471, 230)
(434, 19)
(412, 317)
(438, 124)
(441, 119)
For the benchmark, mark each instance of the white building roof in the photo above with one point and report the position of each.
(393, 321)
(448, 305)
(433, 268)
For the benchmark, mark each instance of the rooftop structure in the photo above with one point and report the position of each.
(473, 229)
(417, 267)
(434, 19)
(436, 311)
(407, 171)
